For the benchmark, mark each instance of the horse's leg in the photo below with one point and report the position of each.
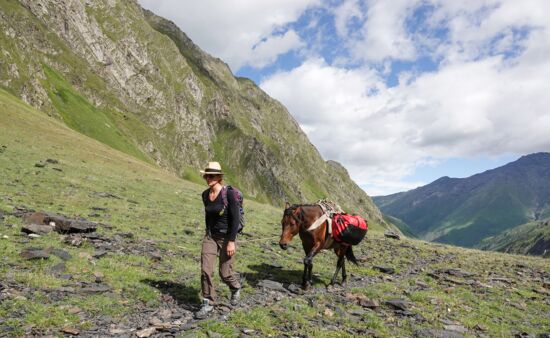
(344, 275)
(308, 267)
(304, 276)
(339, 265)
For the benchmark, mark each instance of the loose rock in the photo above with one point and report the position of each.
(436, 333)
(38, 229)
(106, 195)
(99, 253)
(34, 253)
(399, 304)
(99, 277)
(456, 328)
(35, 218)
(146, 332)
(58, 269)
(294, 288)
(271, 285)
(64, 255)
(100, 288)
(384, 269)
(70, 330)
(391, 234)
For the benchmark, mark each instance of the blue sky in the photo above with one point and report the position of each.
(400, 92)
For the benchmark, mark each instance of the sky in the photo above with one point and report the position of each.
(400, 92)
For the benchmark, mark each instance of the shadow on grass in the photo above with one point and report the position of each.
(267, 271)
(186, 297)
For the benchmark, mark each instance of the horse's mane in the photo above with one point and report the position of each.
(290, 211)
(293, 207)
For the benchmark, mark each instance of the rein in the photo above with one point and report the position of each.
(257, 239)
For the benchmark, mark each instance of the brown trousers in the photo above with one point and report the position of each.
(211, 249)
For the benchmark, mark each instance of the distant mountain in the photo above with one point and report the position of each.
(464, 211)
(532, 238)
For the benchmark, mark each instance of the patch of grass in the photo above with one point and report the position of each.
(217, 327)
(83, 117)
(164, 214)
(39, 313)
(258, 319)
(49, 316)
(101, 305)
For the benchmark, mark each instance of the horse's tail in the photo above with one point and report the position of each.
(350, 256)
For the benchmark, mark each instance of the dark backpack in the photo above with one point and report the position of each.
(239, 197)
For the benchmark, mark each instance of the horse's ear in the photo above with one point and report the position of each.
(287, 205)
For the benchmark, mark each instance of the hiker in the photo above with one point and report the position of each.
(222, 223)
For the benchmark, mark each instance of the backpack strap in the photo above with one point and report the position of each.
(224, 195)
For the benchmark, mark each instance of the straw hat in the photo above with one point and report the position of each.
(213, 168)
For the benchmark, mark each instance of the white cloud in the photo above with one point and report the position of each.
(383, 34)
(488, 97)
(473, 25)
(486, 106)
(266, 52)
(343, 14)
(230, 29)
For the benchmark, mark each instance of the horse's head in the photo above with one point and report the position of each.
(290, 223)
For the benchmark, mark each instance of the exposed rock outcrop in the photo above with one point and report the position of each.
(156, 95)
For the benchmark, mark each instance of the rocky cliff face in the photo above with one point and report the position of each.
(135, 81)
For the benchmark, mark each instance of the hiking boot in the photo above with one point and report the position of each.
(205, 309)
(235, 297)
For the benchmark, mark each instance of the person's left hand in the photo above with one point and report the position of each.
(230, 248)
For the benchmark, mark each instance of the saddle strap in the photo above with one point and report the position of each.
(320, 221)
(329, 240)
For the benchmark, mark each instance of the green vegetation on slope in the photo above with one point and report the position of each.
(532, 238)
(82, 116)
(165, 217)
(137, 83)
(466, 211)
(258, 139)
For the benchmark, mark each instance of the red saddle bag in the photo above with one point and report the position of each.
(348, 229)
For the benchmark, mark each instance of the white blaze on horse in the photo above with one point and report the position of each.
(315, 227)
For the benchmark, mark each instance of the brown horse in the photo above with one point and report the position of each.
(296, 220)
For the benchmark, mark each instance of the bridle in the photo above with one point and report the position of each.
(290, 212)
(300, 219)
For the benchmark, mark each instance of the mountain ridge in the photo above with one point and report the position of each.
(532, 238)
(155, 94)
(464, 211)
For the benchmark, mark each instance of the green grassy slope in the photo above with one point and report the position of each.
(152, 204)
(532, 238)
(82, 116)
(165, 216)
(135, 82)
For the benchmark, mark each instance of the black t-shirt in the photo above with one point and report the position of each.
(221, 221)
